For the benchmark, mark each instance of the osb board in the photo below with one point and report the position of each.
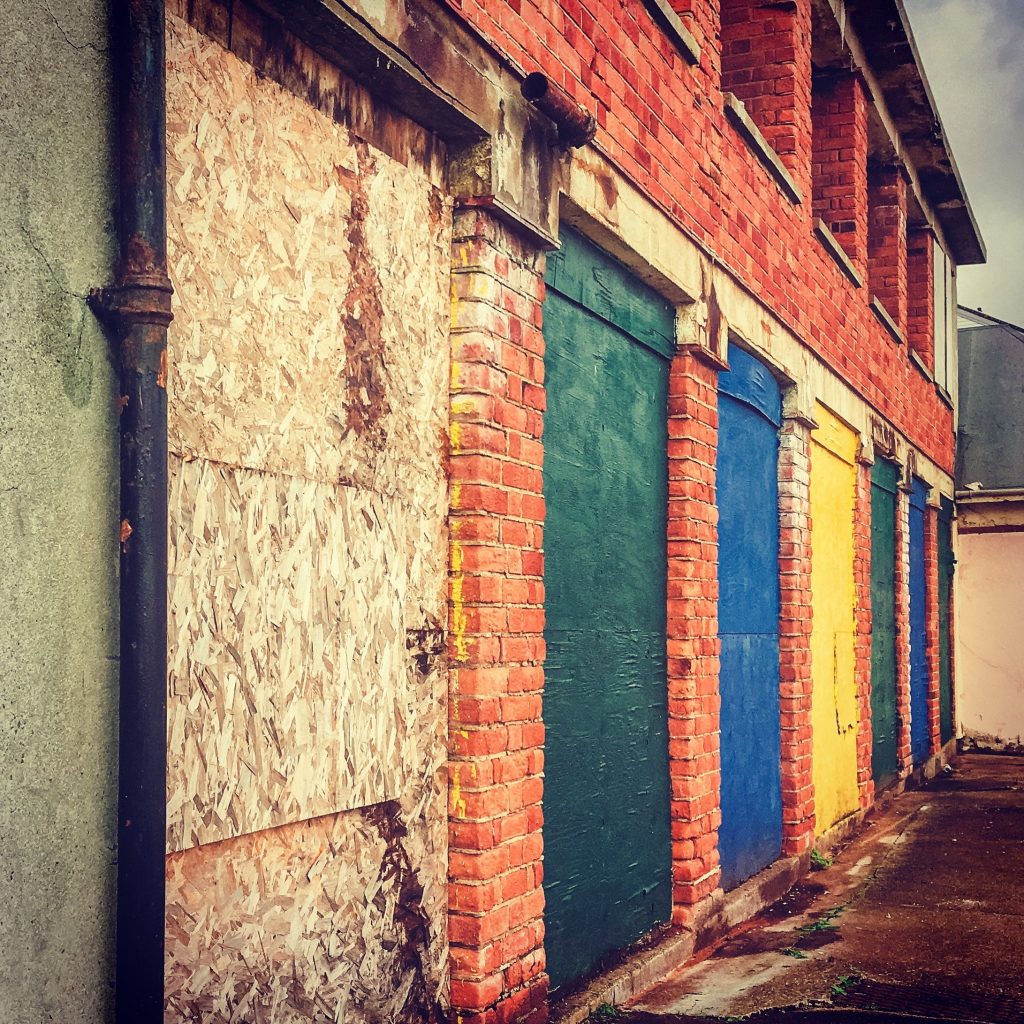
(307, 409)
(293, 688)
(337, 919)
(258, 37)
(311, 286)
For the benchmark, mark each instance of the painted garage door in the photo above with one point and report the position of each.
(834, 694)
(749, 414)
(946, 565)
(920, 733)
(884, 483)
(606, 793)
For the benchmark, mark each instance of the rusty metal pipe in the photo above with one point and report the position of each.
(576, 126)
(137, 310)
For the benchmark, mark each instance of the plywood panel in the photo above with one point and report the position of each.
(311, 286)
(607, 852)
(293, 693)
(307, 407)
(337, 919)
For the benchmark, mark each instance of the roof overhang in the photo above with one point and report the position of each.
(875, 38)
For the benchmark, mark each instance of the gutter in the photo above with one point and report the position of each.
(989, 495)
(137, 309)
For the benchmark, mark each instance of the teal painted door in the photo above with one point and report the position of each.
(884, 483)
(920, 683)
(607, 853)
(946, 565)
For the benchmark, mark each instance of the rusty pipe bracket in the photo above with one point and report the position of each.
(576, 126)
(137, 298)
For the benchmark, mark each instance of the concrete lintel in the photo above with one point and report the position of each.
(882, 314)
(604, 205)
(837, 252)
(737, 114)
(672, 25)
(922, 367)
(423, 60)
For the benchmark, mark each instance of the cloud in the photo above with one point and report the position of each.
(971, 54)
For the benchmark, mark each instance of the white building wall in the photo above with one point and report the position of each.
(990, 645)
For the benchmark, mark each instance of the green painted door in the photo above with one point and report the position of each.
(884, 482)
(946, 565)
(607, 853)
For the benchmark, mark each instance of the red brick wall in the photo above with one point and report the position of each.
(903, 755)
(496, 622)
(661, 122)
(766, 62)
(693, 644)
(840, 161)
(795, 616)
(887, 241)
(920, 294)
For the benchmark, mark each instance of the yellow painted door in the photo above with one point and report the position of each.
(834, 696)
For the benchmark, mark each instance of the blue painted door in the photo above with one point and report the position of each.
(607, 840)
(749, 413)
(919, 682)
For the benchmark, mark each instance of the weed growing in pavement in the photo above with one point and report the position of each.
(844, 983)
(796, 954)
(605, 1012)
(819, 861)
(823, 923)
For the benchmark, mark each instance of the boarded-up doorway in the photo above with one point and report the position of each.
(308, 387)
(749, 415)
(834, 696)
(884, 732)
(607, 850)
(920, 729)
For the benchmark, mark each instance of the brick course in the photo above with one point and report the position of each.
(766, 62)
(840, 161)
(920, 294)
(903, 756)
(496, 622)
(693, 644)
(795, 620)
(862, 650)
(887, 241)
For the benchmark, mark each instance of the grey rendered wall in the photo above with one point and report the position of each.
(58, 513)
(990, 441)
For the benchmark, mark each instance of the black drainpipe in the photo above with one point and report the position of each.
(138, 309)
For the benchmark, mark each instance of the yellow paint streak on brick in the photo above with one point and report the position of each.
(463, 406)
(458, 801)
(458, 623)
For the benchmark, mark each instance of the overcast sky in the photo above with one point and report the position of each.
(973, 54)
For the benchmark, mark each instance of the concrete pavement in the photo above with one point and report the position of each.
(921, 914)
